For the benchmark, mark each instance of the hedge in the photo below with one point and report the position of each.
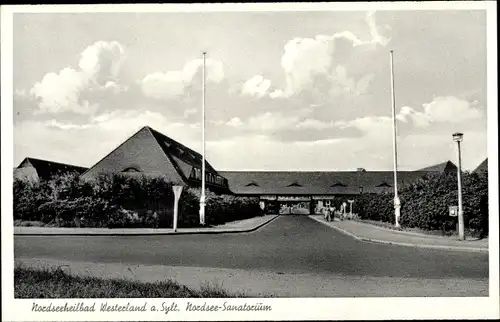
(122, 201)
(424, 204)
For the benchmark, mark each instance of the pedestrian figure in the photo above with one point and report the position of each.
(328, 214)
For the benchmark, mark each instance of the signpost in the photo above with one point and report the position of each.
(177, 196)
(453, 211)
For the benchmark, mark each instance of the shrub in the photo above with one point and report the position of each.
(28, 196)
(119, 201)
(424, 204)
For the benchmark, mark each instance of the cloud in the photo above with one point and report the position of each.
(111, 129)
(163, 85)
(419, 119)
(235, 122)
(99, 66)
(376, 127)
(377, 38)
(451, 109)
(257, 86)
(315, 124)
(271, 122)
(102, 60)
(440, 111)
(306, 58)
(174, 84)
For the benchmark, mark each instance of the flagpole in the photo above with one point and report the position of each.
(397, 203)
(202, 197)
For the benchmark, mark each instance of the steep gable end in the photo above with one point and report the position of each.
(441, 167)
(180, 151)
(142, 152)
(482, 167)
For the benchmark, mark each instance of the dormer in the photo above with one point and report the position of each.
(294, 184)
(383, 185)
(338, 184)
(130, 169)
(252, 184)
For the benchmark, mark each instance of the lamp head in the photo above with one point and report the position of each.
(458, 137)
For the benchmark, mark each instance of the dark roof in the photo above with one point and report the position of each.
(183, 156)
(483, 166)
(298, 183)
(441, 167)
(46, 169)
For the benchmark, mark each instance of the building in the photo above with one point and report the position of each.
(447, 166)
(36, 169)
(150, 153)
(306, 192)
(482, 167)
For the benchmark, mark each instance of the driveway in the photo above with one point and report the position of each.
(288, 245)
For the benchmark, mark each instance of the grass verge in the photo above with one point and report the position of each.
(56, 283)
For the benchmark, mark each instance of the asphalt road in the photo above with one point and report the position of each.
(289, 244)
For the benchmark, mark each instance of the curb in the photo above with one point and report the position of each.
(206, 232)
(377, 241)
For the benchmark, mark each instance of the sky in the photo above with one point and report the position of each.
(306, 90)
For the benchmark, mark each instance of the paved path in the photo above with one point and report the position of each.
(368, 232)
(238, 226)
(274, 284)
(288, 244)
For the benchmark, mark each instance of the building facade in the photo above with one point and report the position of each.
(33, 169)
(149, 152)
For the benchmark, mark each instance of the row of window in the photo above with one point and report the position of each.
(209, 177)
(183, 153)
(295, 184)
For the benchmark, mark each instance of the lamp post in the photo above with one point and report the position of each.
(458, 137)
(397, 202)
(202, 196)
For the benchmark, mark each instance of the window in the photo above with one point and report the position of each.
(197, 173)
(327, 203)
(131, 169)
(181, 151)
(167, 144)
(252, 184)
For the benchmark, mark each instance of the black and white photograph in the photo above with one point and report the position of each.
(206, 161)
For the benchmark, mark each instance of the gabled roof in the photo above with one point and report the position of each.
(279, 182)
(483, 166)
(185, 156)
(441, 167)
(46, 169)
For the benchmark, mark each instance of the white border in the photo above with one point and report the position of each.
(283, 309)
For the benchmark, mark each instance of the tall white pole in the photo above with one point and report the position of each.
(397, 203)
(461, 233)
(202, 197)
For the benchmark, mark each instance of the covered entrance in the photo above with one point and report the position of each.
(288, 205)
(295, 208)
